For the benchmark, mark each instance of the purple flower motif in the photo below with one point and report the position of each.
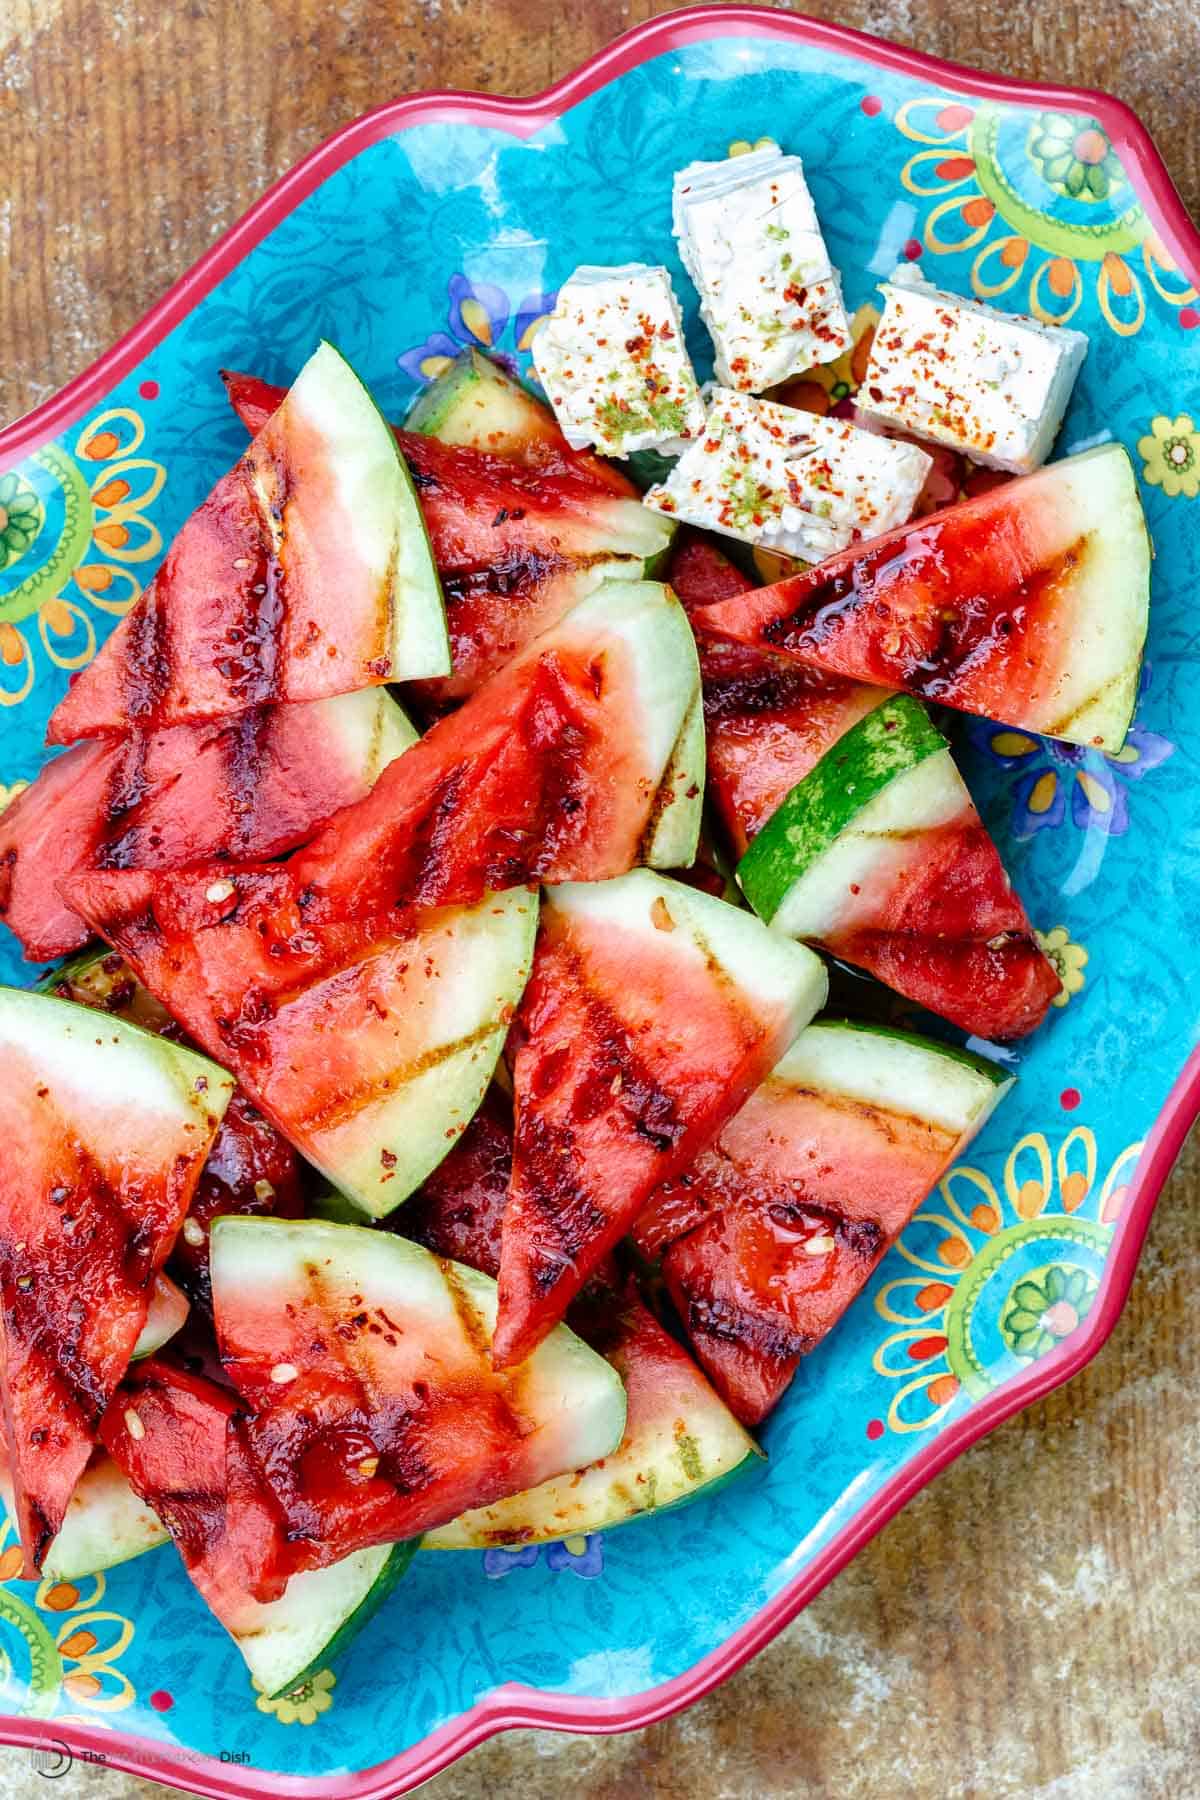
(1056, 777)
(582, 1556)
(479, 315)
(498, 1563)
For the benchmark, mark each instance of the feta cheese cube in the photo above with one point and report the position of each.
(994, 385)
(788, 480)
(612, 360)
(749, 238)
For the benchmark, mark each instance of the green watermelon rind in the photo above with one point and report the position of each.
(897, 1072)
(105, 1525)
(167, 1315)
(887, 742)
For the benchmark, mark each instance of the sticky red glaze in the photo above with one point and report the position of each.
(504, 532)
(767, 721)
(790, 1168)
(86, 1224)
(973, 607)
(238, 789)
(628, 1059)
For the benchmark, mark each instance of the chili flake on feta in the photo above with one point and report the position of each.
(993, 385)
(790, 481)
(614, 365)
(750, 240)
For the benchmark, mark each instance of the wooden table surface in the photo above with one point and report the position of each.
(1029, 1626)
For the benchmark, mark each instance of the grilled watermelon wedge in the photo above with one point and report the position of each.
(307, 572)
(103, 1134)
(518, 538)
(168, 1432)
(767, 721)
(250, 1168)
(1028, 604)
(680, 1440)
(234, 788)
(774, 1231)
(880, 857)
(105, 1522)
(478, 404)
(374, 1412)
(653, 1010)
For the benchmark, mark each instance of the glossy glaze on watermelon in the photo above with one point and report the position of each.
(1027, 604)
(105, 1523)
(651, 1013)
(772, 1233)
(518, 540)
(103, 1133)
(306, 573)
(250, 1168)
(374, 1412)
(767, 721)
(880, 857)
(238, 789)
(169, 1432)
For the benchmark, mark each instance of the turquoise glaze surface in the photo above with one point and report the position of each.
(449, 234)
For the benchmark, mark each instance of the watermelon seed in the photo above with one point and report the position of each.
(24, 1282)
(284, 1372)
(218, 891)
(820, 1246)
(368, 1466)
(134, 1426)
(193, 1232)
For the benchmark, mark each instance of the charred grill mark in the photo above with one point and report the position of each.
(712, 1316)
(515, 572)
(246, 745)
(428, 851)
(352, 1101)
(249, 656)
(125, 789)
(146, 671)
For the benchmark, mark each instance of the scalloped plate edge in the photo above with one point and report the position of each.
(512, 1706)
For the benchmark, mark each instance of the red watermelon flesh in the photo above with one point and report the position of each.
(1026, 604)
(651, 1013)
(250, 1168)
(766, 721)
(175, 1436)
(239, 788)
(103, 1134)
(773, 1232)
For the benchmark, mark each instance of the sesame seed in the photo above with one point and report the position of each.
(218, 891)
(368, 1466)
(134, 1426)
(193, 1233)
(282, 1373)
(820, 1246)
(263, 1191)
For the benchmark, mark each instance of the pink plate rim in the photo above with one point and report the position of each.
(513, 1706)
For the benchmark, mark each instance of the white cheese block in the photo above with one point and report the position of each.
(791, 481)
(994, 385)
(750, 240)
(614, 365)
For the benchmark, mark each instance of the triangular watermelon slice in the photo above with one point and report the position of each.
(774, 1231)
(518, 539)
(652, 1012)
(103, 1133)
(169, 1433)
(307, 572)
(879, 856)
(1028, 604)
(375, 1413)
(239, 788)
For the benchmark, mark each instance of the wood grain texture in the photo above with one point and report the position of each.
(1028, 1627)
